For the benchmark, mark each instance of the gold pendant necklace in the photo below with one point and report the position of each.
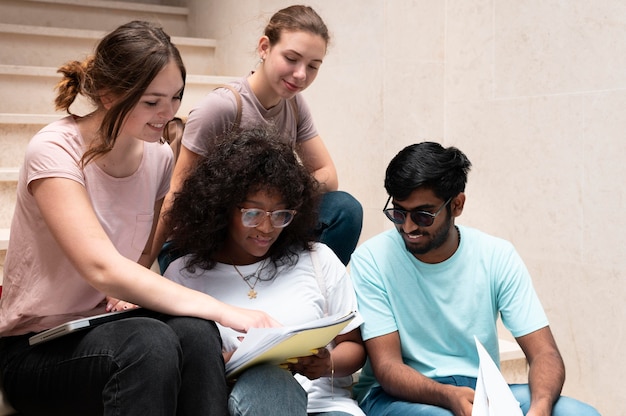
(251, 293)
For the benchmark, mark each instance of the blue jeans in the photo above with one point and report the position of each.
(340, 223)
(267, 390)
(380, 403)
(339, 227)
(159, 365)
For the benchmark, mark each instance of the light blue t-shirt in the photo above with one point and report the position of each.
(437, 309)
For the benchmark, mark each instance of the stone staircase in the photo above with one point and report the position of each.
(37, 36)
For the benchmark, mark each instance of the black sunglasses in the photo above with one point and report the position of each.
(420, 218)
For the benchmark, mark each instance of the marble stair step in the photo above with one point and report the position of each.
(29, 45)
(93, 14)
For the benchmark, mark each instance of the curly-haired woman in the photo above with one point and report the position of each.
(244, 217)
(291, 51)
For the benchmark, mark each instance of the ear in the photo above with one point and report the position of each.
(263, 47)
(457, 204)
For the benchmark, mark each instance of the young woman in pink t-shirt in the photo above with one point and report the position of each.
(89, 194)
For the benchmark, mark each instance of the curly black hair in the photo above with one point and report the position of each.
(242, 163)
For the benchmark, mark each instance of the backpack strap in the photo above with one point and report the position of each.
(292, 102)
(238, 100)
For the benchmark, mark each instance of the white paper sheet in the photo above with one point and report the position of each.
(492, 397)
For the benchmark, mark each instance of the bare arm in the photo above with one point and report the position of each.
(405, 383)
(84, 241)
(349, 353)
(317, 160)
(546, 370)
(185, 162)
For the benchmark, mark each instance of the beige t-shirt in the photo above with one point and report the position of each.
(217, 111)
(41, 288)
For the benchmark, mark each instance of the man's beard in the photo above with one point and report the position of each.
(436, 239)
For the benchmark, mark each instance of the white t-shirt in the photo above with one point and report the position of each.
(293, 296)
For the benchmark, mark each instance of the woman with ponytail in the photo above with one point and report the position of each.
(88, 197)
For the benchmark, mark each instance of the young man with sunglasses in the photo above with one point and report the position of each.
(427, 287)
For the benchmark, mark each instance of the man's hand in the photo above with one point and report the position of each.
(461, 400)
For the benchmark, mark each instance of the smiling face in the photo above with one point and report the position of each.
(434, 243)
(158, 104)
(247, 245)
(292, 63)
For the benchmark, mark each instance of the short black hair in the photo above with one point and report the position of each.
(428, 165)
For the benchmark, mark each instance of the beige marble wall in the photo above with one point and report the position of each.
(533, 92)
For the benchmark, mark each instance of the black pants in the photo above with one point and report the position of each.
(159, 365)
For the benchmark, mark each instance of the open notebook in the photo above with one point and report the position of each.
(275, 345)
(84, 323)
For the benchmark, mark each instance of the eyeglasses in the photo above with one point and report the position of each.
(421, 218)
(253, 217)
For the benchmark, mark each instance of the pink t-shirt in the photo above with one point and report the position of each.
(41, 287)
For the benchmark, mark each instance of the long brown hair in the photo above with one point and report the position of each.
(124, 64)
